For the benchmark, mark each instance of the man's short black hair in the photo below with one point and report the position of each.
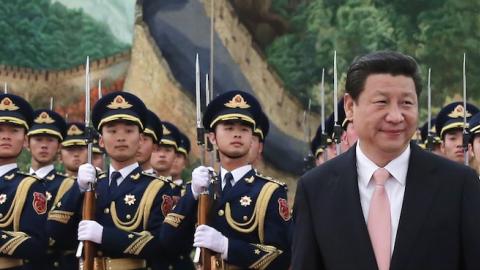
(383, 62)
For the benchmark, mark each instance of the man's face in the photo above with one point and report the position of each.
(12, 140)
(145, 150)
(121, 140)
(97, 160)
(385, 115)
(73, 156)
(162, 158)
(179, 165)
(232, 138)
(452, 145)
(255, 150)
(476, 148)
(44, 148)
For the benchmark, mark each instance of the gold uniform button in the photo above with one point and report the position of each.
(106, 211)
(56, 264)
(245, 218)
(1, 215)
(170, 267)
(129, 217)
(221, 212)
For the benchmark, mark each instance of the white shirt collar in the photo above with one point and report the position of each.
(398, 167)
(6, 168)
(125, 171)
(237, 174)
(43, 171)
(178, 182)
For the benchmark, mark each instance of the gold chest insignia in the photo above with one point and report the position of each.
(49, 195)
(245, 201)
(135, 176)
(9, 177)
(129, 199)
(250, 179)
(3, 198)
(50, 177)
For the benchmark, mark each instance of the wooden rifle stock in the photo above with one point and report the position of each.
(88, 213)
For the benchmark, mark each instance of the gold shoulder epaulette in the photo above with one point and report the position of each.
(280, 183)
(61, 174)
(164, 179)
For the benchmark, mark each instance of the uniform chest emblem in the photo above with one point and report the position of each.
(129, 199)
(49, 195)
(39, 203)
(3, 198)
(245, 201)
(283, 209)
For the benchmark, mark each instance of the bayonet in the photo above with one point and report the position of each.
(430, 134)
(337, 129)
(466, 134)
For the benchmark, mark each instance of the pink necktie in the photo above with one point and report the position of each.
(379, 223)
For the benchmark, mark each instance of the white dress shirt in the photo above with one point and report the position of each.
(43, 171)
(395, 185)
(124, 172)
(237, 174)
(6, 168)
(150, 171)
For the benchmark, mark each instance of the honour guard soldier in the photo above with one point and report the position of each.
(449, 125)
(164, 156)
(130, 205)
(98, 153)
(44, 141)
(23, 203)
(180, 162)
(152, 134)
(250, 220)
(436, 141)
(258, 140)
(74, 148)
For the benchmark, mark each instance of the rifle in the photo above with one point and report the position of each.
(88, 212)
(204, 258)
(308, 160)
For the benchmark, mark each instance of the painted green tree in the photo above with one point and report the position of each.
(44, 35)
(435, 32)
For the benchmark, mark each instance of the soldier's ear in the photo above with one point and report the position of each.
(100, 141)
(212, 138)
(26, 143)
(348, 106)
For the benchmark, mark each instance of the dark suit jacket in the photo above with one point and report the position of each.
(439, 224)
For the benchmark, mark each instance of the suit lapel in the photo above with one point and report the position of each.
(351, 222)
(419, 192)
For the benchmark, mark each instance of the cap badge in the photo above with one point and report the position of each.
(44, 118)
(237, 102)
(119, 103)
(458, 112)
(74, 130)
(7, 105)
(166, 131)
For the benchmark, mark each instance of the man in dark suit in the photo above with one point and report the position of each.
(386, 203)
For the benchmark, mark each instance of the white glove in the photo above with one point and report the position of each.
(90, 230)
(86, 174)
(200, 180)
(208, 237)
